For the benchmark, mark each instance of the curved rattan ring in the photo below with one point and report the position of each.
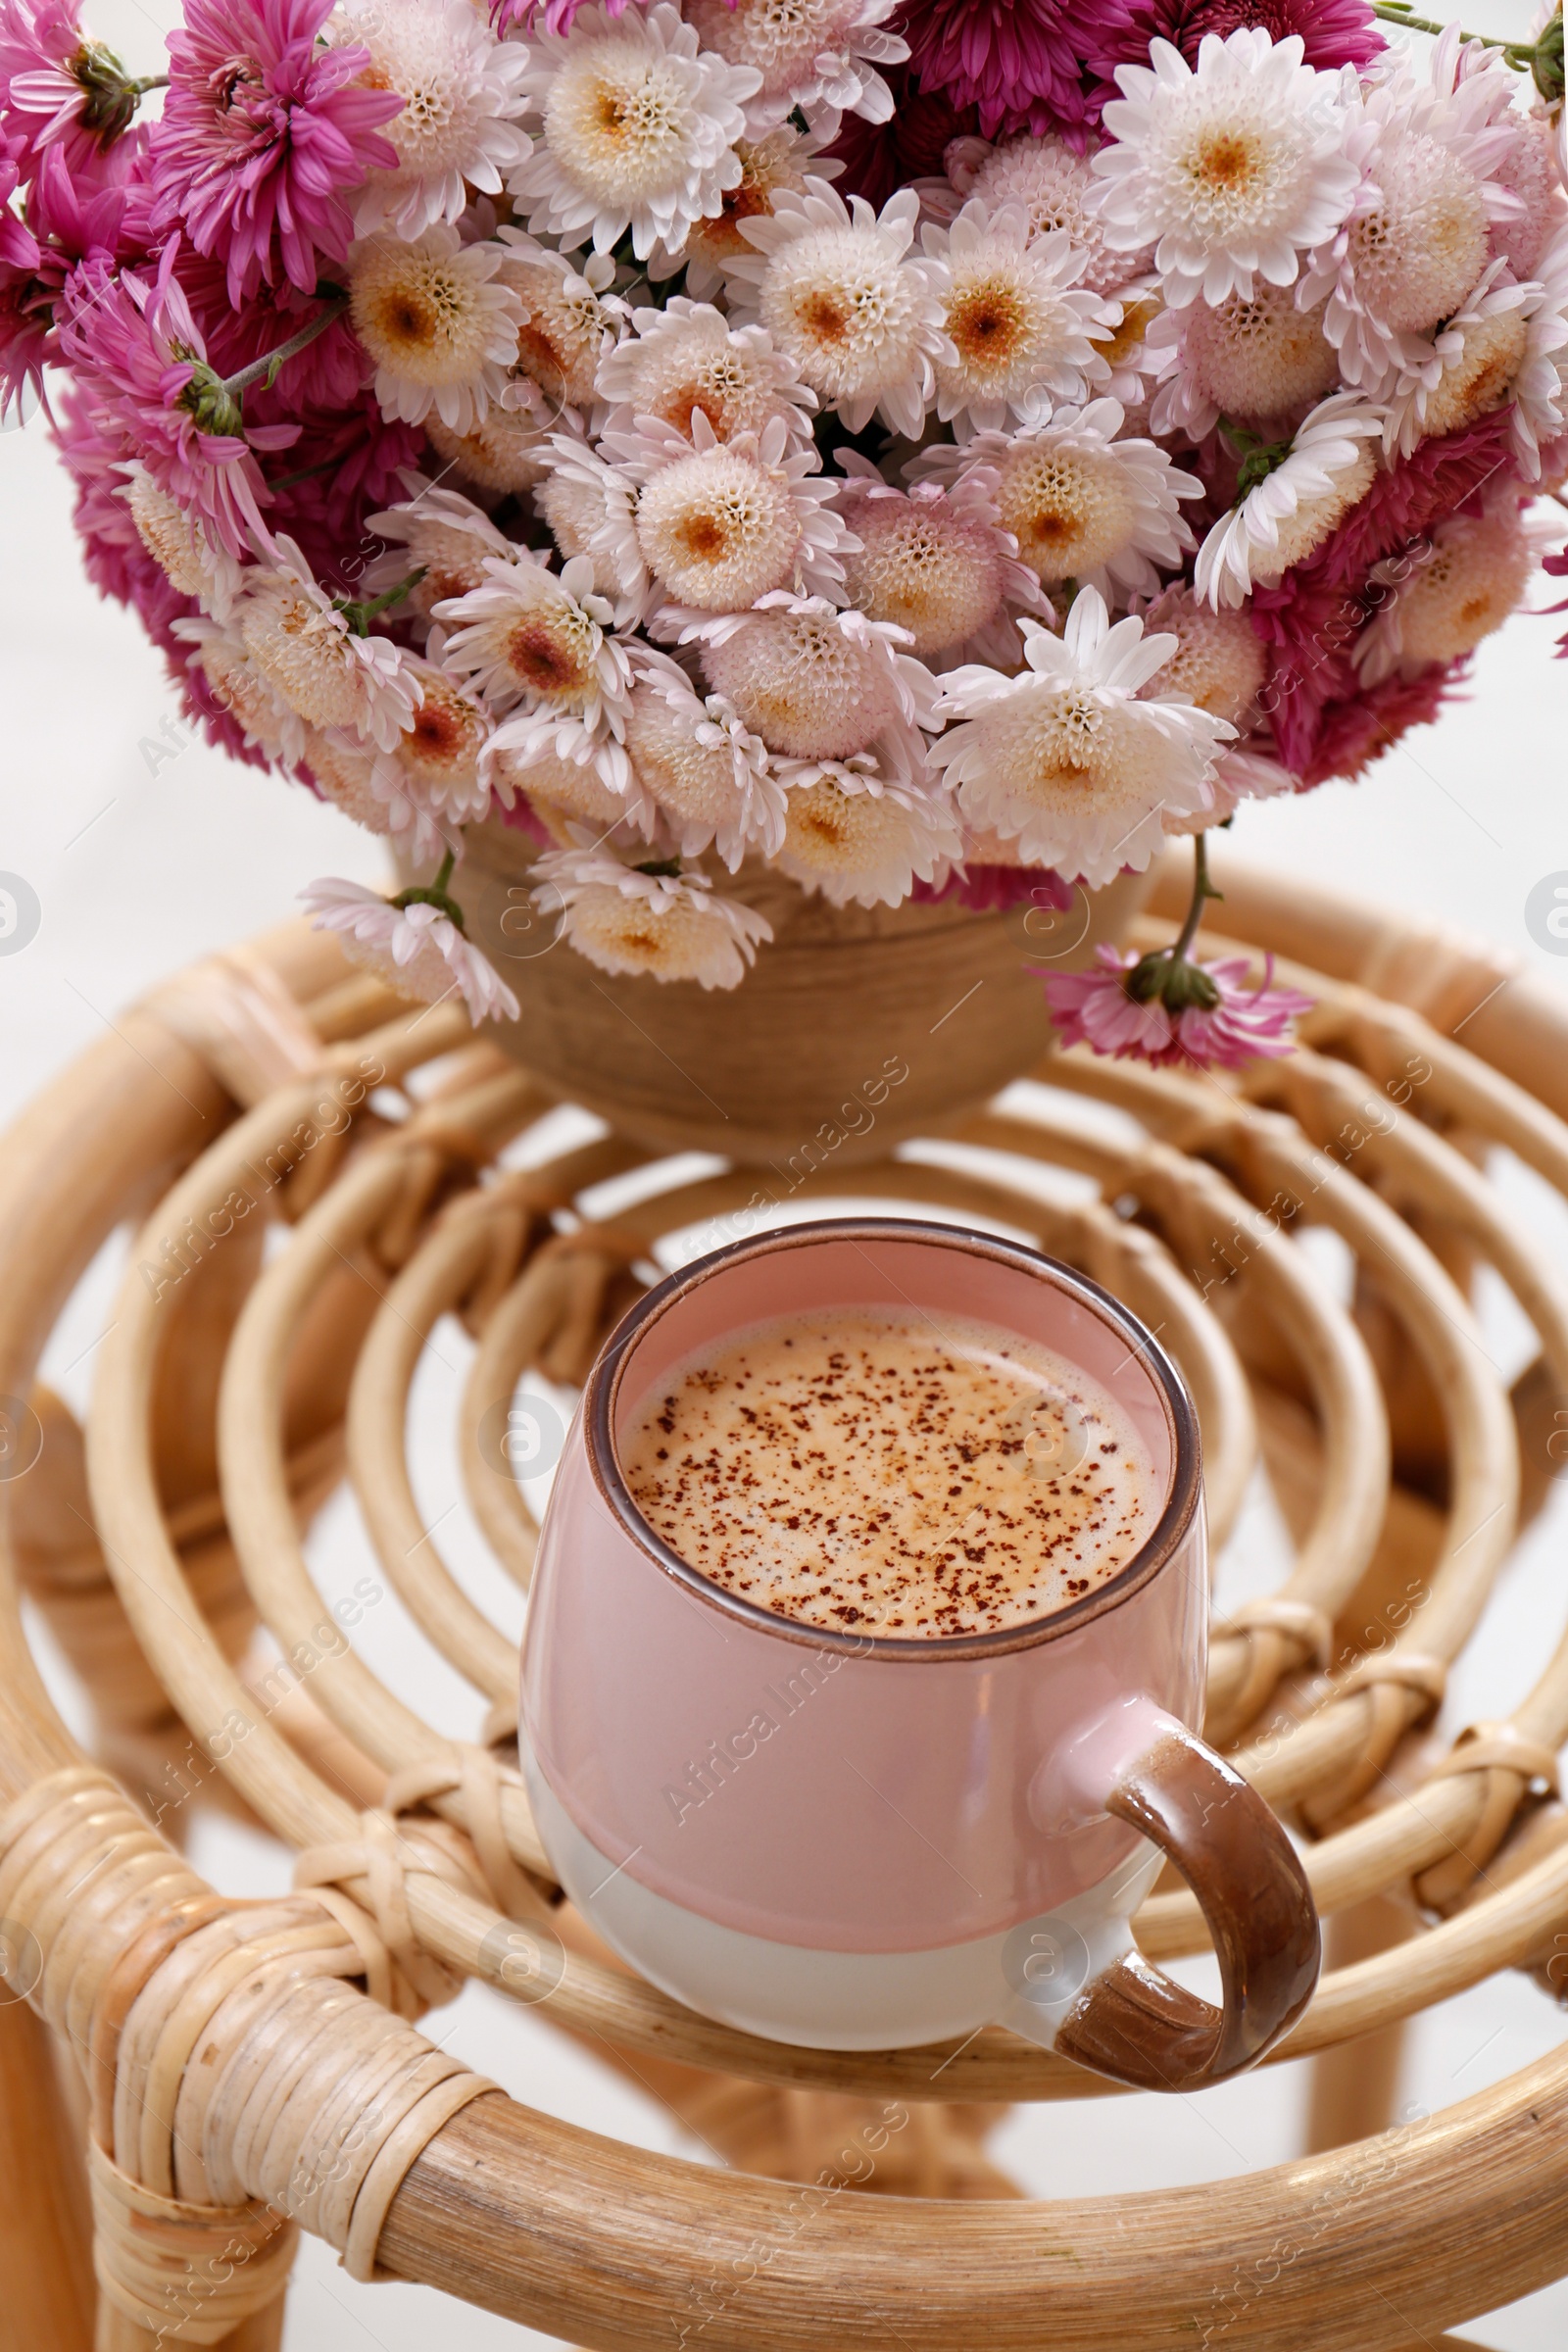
(291, 1091)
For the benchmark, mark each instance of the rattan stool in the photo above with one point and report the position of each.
(237, 2069)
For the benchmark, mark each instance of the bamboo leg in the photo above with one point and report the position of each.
(1353, 2085)
(45, 2231)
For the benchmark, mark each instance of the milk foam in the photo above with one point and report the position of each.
(892, 1473)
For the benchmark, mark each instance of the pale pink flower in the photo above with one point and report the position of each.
(417, 949)
(1240, 1023)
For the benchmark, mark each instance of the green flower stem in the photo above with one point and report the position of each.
(359, 615)
(1165, 972)
(1520, 53)
(264, 370)
(435, 894)
(1202, 891)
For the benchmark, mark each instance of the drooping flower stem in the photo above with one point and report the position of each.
(434, 893)
(215, 400)
(264, 370)
(1541, 59)
(1166, 972)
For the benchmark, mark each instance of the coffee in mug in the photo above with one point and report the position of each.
(819, 1824)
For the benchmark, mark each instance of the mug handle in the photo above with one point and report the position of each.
(1137, 2024)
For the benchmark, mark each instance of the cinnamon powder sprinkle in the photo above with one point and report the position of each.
(854, 1469)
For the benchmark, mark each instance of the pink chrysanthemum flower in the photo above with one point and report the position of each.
(1216, 1021)
(18, 247)
(1018, 61)
(1335, 32)
(263, 135)
(138, 351)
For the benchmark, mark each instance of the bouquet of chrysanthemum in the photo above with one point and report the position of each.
(936, 451)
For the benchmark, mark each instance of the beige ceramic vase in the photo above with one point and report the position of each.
(854, 1027)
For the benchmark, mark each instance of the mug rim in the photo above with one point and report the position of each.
(1164, 1540)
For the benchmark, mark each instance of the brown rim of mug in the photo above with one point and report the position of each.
(1162, 1545)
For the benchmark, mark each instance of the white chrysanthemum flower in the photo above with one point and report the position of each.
(417, 949)
(1259, 358)
(1416, 236)
(1052, 186)
(307, 651)
(441, 329)
(1082, 505)
(708, 773)
(589, 507)
(1219, 664)
(1509, 343)
(180, 543)
(837, 290)
(816, 683)
(936, 562)
(670, 925)
(570, 791)
(458, 128)
(236, 684)
(504, 452)
(1126, 363)
(428, 785)
(817, 56)
(354, 777)
(1235, 167)
(534, 645)
(769, 168)
(569, 319)
(529, 636)
(1240, 774)
(1068, 759)
(1017, 318)
(687, 359)
(439, 533)
(862, 837)
(1441, 603)
(717, 524)
(640, 127)
(437, 758)
(1283, 518)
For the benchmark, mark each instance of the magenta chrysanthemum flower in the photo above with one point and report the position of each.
(263, 135)
(993, 889)
(880, 158)
(1020, 61)
(1353, 733)
(327, 377)
(1242, 1023)
(137, 350)
(25, 314)
(1336, 32)
(1310, 620)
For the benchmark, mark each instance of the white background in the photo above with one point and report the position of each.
(143, 861)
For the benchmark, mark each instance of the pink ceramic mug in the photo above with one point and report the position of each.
(860, 1842)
